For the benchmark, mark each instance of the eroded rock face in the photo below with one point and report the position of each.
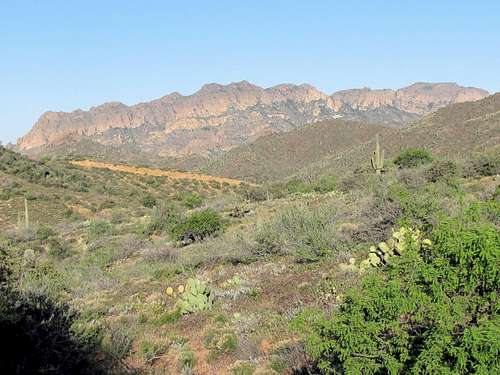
(419, 98)
(219, 117)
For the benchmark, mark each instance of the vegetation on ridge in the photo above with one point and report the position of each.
(134, 273)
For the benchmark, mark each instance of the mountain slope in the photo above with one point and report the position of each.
(338, 146)
(220, 117)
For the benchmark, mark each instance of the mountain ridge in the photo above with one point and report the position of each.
(219, 117)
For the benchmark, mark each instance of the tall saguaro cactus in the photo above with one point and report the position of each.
(26, 215)
(378, 158)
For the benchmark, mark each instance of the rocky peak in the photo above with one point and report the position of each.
(237, 112)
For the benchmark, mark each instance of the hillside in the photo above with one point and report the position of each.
(279, 155)
(95, 265)
(333, 147)
(219, 117)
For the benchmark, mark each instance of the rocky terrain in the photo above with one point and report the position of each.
(335, 145)
(219, 117)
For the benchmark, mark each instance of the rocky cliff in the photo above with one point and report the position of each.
(219, 117)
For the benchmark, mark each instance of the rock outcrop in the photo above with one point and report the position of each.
(219, 117)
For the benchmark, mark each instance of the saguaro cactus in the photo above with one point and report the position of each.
(26, 215)
(378, 158)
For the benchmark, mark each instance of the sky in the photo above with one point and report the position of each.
(64, 55)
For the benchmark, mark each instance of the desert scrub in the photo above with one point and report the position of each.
(190, 199)
(148, 200)
(219, 342)
(303, 231)
(197, 226)
(163, 218)
(242, 368)
(413, 157)
(445, 171)
(483, 165)
(430, 311)
(151, 351)
(98, 228)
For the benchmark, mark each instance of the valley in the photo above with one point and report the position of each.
(119, 244)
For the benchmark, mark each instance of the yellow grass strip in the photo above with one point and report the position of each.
(155, 172)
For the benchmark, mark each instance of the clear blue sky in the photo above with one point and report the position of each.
(64, 55)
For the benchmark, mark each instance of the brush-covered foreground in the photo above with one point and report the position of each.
(110, 272)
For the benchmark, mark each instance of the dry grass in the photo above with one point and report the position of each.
(155, 172)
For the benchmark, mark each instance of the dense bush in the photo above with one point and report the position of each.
(444, 171)
(148, 201)
(413, 157)
(255, 194)
(433, 312)
(42, 172)
(197, 226)
(483, 165)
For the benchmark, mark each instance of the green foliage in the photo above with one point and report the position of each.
(197, 226)
(196, 297)
(169, 317)
(150, 350)
(187, 360)
(163, 218)
(444, 171)
(190, 199)
(220, 341)
(254, 194)
(399, 242)
(98, 228)
(57, 249)
(413, 157)
(44, 232)
(324, 184)
(149, 201)
(483, 165)
(419, 208)
(42, 172)
(306, 232)
(243, 368)
(431, 311)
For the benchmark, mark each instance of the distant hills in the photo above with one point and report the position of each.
(218, 118)
(337, 146)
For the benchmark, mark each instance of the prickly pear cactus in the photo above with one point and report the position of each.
(395, 246)
(197, 296)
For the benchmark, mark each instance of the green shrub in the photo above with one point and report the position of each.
(197, 226)
(190, 199)
(148, 201)
(413, 157)
(163, 218)
(57, 249)
(484, 165)
(441, 171)
(434, 311)
(254, 194)
(220, 341)
(44, 232)
(150, 350)
(187, 361)
(418, 208)
(98, 228)
(306, 232)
